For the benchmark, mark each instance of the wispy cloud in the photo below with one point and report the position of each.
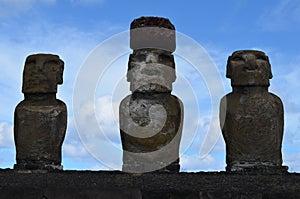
(196, 163)
(280, 16)
(10, 8)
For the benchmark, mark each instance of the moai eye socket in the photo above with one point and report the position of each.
(164, 58)
(142, 24)
(30, 62)
(53, 65)
(139, 57)
(261, 57)
(237, 58)
(54, 70)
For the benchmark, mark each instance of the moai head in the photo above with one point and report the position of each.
(151, 66)
(249, 68)
(42, 73)
(151, 70)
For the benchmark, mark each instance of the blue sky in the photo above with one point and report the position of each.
(75, 29)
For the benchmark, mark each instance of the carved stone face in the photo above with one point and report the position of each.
(42, 73)
(249, 68)
(151, 70)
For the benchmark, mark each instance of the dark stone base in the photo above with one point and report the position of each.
(113, 184)
(34, 166)
(174, 167)
(256, 168)
(137, 167)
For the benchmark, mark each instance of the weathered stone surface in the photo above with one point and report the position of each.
(251, 118)
(42, 73)
(151, 70)
(40, 119)
(151, 127)
(151, 118)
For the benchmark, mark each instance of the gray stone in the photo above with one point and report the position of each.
(114, 184)
(251, 117)
(40, 119)
(151, 117)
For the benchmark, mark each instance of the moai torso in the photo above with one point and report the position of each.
(251, 117)
(151, 117)
(40, 119)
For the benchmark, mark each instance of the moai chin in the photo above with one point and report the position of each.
(151, 117)
(40, 120)
(251, 117)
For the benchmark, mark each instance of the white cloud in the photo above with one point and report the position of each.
(107, 110)
(195, 163)
(76, 150)
(292, 161)
(213, 134)
(6, 135)
(285, 84)
(7, 158)
(97, 126)
(99, 119)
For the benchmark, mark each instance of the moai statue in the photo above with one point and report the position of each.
(251, 118)
(40, 119)
(151, 118)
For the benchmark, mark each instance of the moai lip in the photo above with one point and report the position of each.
(151, 117)
(40, 120)
(251, 117)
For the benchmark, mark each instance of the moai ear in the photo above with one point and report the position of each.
(59, 77)
(269, 68)
(228, 67)
(173, 61)
(129, 62)
(129, 77)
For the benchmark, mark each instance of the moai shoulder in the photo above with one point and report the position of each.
(151, 117)
(40, 119)
(251, 118)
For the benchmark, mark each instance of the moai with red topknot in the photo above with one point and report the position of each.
(151, 118)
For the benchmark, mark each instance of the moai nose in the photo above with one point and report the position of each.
(151, 58)
(251, 64)
(39, 62)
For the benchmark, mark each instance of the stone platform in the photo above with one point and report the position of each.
(114, 184)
